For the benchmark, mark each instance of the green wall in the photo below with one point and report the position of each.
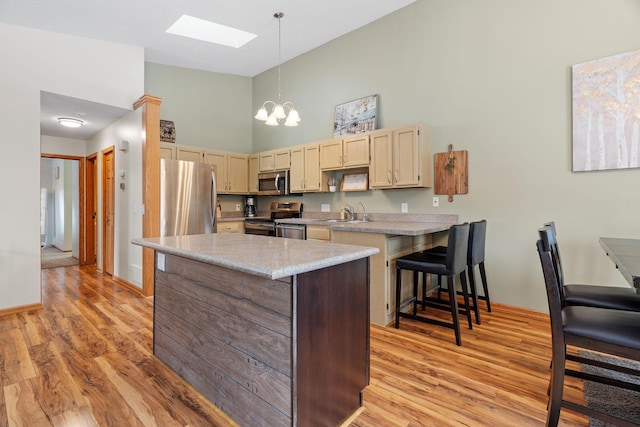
(492, 77)
(208, 109)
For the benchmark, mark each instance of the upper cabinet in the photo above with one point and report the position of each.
(232, 171)
(305, 174)
(345, 152)
(275, 160)
(401, 158)
(254, 169)
(167, 150)
(190, 154)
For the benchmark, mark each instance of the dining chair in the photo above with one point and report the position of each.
(451, 266)
(614, 297)
(612, 332)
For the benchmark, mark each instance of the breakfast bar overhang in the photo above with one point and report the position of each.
(272, 331)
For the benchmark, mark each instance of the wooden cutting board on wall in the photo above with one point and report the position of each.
(453, 180)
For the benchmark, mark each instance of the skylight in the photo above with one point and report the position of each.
(199, 29)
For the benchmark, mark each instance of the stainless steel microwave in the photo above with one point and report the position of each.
(273, 183)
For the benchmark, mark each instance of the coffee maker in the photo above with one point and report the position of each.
(250, 206)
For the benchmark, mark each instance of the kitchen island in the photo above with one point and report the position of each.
(273, 331)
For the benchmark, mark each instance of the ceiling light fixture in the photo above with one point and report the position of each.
(278, 108)
(69, 122)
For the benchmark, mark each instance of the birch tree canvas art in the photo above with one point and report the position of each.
(606, 113)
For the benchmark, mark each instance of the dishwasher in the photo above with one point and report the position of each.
(291, 231)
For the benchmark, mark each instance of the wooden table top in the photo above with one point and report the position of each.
(625, 253)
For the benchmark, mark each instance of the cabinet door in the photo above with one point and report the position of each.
(167, 151)
(189, 154)
(237, 173)
(312, 173)
(380, 170)
(281, 160)
(231, 227)
(296, 175)
(355, 151)
(266, 162)
(219, 162)
(331, 154)
(406, 157)
(254, 169)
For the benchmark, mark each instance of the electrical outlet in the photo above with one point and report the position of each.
(436, 202)
(238, 208)
(161, 264)
(404, 207)
(325, 207)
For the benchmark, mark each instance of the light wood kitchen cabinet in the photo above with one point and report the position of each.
(190, 154)
(232, 171)
(305, 169)
(383, 267)
(318, 233)
(254, 170)
(275, 160)
(231, 227)
(345, 152)
(167, 150)
(401, 158)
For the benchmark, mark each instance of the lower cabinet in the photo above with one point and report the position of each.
(383, 266)
(318, 233)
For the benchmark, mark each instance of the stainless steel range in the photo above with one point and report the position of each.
(266, 226)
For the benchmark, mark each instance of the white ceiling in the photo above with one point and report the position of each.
(305, 26)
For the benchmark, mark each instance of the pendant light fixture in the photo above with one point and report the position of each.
(278, 108)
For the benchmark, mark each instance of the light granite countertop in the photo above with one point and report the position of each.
(269, 257)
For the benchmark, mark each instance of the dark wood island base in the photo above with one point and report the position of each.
(292, 351)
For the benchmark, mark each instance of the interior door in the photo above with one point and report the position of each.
(108, 167)
(91, 211)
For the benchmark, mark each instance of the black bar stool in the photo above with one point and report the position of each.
(475, 256)
(454, 264)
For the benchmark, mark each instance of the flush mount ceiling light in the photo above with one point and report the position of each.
(70, 122)
(199, 29)
(278, 108)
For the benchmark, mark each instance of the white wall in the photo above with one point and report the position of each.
(492, 77)
(34, 61)
(62, 146)
(127, 201)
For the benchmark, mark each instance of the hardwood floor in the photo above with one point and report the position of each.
(85, 360)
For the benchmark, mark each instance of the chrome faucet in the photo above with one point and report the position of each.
(364, 214)
(348, 211)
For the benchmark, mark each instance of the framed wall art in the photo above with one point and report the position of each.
(167, 131)
(606, 113)
(355, 182)
(355, 116)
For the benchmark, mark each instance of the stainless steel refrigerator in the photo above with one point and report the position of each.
(187, 198)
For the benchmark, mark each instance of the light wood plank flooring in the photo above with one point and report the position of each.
(85, 360)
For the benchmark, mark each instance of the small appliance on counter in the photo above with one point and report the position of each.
(250, 207)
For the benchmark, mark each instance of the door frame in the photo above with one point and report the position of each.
(91, 211)
(103, 154)
(81, 201)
